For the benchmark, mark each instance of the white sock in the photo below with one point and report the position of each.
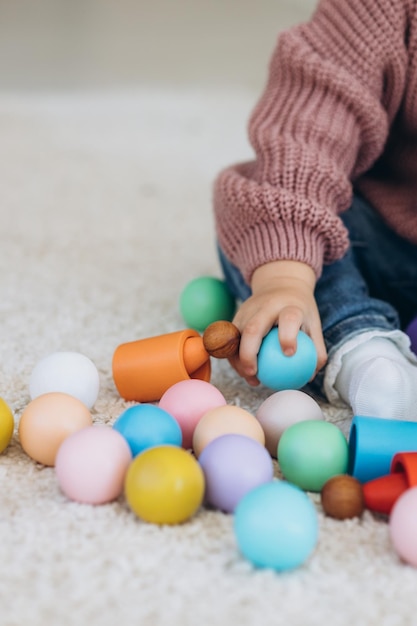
(376, 379)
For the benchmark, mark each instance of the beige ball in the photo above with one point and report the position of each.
(47, 421)
(224, 420)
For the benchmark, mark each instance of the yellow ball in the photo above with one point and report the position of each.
(6, 425)
(164, 485)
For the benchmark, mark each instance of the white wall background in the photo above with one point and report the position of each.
(102, 43)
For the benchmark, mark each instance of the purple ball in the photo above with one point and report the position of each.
(411, 331)
(233, 465)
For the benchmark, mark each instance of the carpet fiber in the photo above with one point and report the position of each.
(105, 216)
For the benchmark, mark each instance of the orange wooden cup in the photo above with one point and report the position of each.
(144, 369)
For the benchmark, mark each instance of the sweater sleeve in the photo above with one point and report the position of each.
(335, 84)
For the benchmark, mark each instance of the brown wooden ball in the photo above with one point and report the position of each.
(342, 497)
(221, 339)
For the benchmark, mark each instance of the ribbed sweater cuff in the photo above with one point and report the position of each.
(257, 224)
(265, 243)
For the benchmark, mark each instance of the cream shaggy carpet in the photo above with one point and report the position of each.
(105, 216)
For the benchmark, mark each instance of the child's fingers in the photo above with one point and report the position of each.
(290, 321)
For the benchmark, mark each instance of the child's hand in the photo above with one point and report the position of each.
(282, 295)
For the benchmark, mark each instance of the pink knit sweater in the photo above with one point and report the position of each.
(339, 111)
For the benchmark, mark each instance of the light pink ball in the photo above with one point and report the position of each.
(283, 409)
(188, 401)
(403, 527)
(91, 465)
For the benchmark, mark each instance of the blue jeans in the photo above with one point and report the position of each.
(373, 287)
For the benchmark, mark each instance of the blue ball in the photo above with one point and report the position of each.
(146, 425)
(280, 372)
(276, 526)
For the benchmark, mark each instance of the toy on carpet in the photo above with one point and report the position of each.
(278, 371)
(225, 420)
(311, 452)
(146, 425)
(194, 449)
(233, 465)
(281, 410)
(91, 465)
(187, 401)
(68, 372)
(204, 300)
(164, 485)
(402, 526)
(342, 497)
(276, 526)
(6, 425)
(374, 441)
(221, 339)
(382, 493)
(49, 419)
(144, 369)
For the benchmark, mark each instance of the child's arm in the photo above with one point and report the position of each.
(334, 88)
(283, 294)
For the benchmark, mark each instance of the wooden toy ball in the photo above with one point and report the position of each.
(204, 300)
(164, 485)
(47, 421)
(146, 425)
(91, 465)
(342, 497)
(225, 420)
(221, 339)
(402, 526)
(283, 409)
(6, 425)
(311, 452)
(69, 372)
(233, 465)
(278, 371)
(276, 526)
(187, 401)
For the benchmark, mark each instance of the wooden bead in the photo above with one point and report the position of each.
(342, 497)
(221, 339)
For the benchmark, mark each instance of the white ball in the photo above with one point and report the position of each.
(68, 372)
(283, 409)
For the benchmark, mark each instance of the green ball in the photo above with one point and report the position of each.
(205, 300)
(311, 452)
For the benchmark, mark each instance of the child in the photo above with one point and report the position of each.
(320, 231)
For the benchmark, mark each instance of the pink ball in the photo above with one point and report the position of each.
(403, 528)
(188, 401)
(91, 465)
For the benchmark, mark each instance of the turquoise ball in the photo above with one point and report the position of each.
(146, 425)
(276, 526)
(311, 452)
(280, 372)
(205, 300)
